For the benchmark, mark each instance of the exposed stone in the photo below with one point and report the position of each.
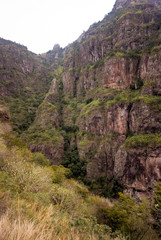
(120, 73)
(111, 87)
(52, 151)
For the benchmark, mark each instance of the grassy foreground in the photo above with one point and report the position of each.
(39, 201)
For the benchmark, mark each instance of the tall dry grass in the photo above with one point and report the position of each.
(46, 225)
(49, 206)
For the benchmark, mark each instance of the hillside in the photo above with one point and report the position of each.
(41, 201)
(89, 112)
(105, 101)
(24, 81)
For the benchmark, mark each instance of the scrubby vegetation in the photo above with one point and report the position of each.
(124, 215)
(39, 201)
(45, 202)
(143, 140)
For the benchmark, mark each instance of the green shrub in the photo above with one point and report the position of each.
(60, 173)
(72, 161)
(156, 211)
(153, 101)
(156, 49)
(143, 140)
(106, 188)
(133, 219)
(40, 159)
(12, 141)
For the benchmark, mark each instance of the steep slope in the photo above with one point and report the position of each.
(24, 81)
(101, 116)
(38, 201)
(41, 201)
(107, 99)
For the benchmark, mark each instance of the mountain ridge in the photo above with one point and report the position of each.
(101, 116)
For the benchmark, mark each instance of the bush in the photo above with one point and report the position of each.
(106, 188)
(131, 218)
(143, 140)
(156, 211)
(40, 159)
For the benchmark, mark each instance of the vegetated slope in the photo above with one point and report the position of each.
(41, 201)
(38, 201)
(24, 81)
(106, 100)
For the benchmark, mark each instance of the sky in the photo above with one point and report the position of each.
(40, 24)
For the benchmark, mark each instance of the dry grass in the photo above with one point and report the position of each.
(49, 206)
(21, 229)
(46, 225)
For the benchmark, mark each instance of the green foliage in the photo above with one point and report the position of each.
(91, 106)
(122, 53)
(117, 45)
(153, 45)
(72, 161)
(40, 159)
(156, 49)
(153, 101)
(99, 63)
(25, 95)
(133, 219)
(124, 15)
(29, 175)
(39, 135)
(143, 140)
(84, 143)
(7, 183)
(22, 113)
(60, 173)
(156, 211)
(123, 97)
(12, 141)
(104, 187)
(90, 225)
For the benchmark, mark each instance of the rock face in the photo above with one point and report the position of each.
(113, 76)
(124, 3)
(105, 98)
(47, 138)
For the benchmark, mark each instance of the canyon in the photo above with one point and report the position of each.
(96, 104)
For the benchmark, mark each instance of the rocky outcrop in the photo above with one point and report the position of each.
(53, 58)
(150, 69)
(138, 169)
(111, 85)
(124, 3)
(120, 73)
(109, 127)
(104, 102)
(47, 137)
(53, 150)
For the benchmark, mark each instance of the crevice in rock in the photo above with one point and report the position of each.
(128, 119)
(75, 87)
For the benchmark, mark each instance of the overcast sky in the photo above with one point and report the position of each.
(39, 24)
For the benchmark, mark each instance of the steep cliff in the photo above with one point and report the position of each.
(112, 95)
(101, 116)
